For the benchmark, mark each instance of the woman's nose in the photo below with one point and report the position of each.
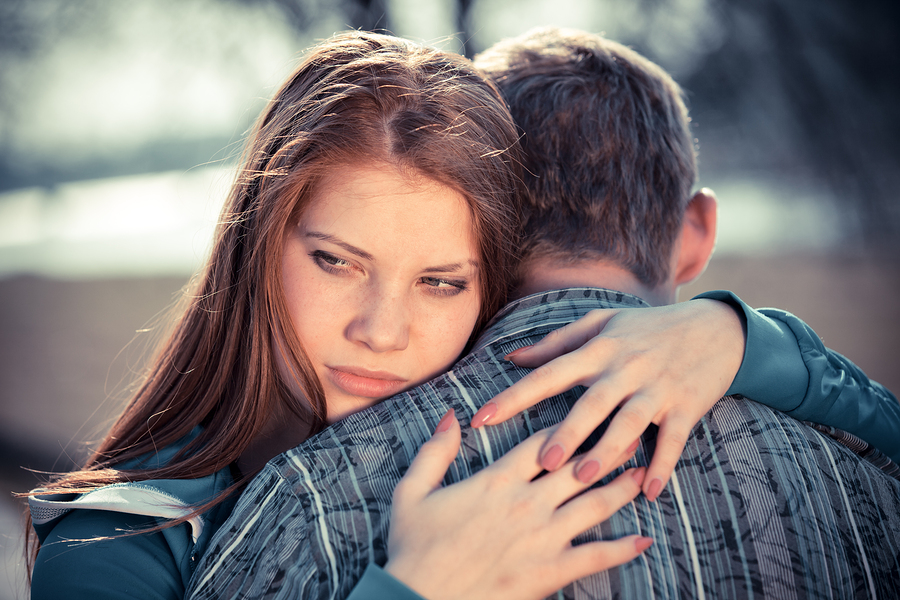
(382, 323)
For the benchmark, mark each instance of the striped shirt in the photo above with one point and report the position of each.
(760, 505)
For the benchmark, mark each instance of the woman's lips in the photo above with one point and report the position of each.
(365, 383)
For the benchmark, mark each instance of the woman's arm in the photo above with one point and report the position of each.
(787, 367)
(122, 568)
(377, 584)
(668, 365)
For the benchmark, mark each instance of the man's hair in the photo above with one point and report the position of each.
(609, 156)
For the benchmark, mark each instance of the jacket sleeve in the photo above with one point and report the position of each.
(378, 584)
(73, 565)
(787, 367)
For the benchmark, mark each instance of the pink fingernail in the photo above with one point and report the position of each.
(484, 414)
(654, 489)
(633, 446)
(587, 471)
(642, 543)
(552, 457)
(445, 422)
(638, 475)
(517, 351)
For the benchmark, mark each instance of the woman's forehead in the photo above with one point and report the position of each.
(379, 207)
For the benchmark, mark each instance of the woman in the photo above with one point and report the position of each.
(367, 237)
(378, 189)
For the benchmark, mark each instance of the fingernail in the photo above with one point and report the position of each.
(552, 457)
(517, 351)
(638, 475)
(654, 489)
(633, 446)
(587, 471)
(642, 543)
(484, 414)
(445, 422)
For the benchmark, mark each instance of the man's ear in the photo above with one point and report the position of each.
(698, 237)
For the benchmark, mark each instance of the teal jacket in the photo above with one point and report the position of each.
(785, 366)
(154, 566)
(73, 563)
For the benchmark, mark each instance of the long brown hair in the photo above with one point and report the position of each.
(356, 97)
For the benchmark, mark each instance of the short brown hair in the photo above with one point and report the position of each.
(609, 157)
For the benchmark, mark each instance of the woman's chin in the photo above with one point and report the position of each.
(349, 406)
(342, 404)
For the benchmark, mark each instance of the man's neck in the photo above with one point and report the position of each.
(542, 275)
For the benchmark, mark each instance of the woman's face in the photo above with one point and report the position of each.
(381, 278)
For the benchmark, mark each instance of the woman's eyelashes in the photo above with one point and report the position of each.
(436, 286)
(445, 287)
(331, 263)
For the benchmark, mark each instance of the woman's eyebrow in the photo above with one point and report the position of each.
(338, 242)
(449, 268)
(327, 237)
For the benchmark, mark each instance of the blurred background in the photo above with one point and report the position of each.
(120, 124)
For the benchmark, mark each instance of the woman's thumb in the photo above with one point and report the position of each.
(431, 463)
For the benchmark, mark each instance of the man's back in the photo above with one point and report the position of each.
(760, 505)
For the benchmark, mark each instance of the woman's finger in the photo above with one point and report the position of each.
(579, 367)
(598, 504)
(626, 426)
(430, 465)
(593, 557)
(521, 463)
(670, 441)
(627, 455)
(563, 340)
(594, 406)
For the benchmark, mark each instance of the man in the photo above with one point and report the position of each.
(759, 505)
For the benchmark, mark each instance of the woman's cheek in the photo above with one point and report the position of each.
(455, 330)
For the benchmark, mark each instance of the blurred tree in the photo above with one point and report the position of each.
(464, 27)
(812, 85)
(28, 28)
(368, 15)
(807, 87)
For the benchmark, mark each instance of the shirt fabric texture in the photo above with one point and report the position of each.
(760, 505)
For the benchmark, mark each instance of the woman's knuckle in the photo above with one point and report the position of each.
(497, 482)
(596, 315)
(566, 433)
(676, 439)
(633, 417)
(542, 374)
(523, 507)
(555, 335)
(599, 505)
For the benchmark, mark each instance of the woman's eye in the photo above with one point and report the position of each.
(329, 262)
(445, 287)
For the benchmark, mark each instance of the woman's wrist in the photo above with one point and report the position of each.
(380, 584)
(772, 370)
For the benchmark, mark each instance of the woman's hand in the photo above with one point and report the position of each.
(500, 533)
(665, 365)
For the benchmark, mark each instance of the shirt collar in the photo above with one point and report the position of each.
(570, 303)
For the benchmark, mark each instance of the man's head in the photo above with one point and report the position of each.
(609, 153)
